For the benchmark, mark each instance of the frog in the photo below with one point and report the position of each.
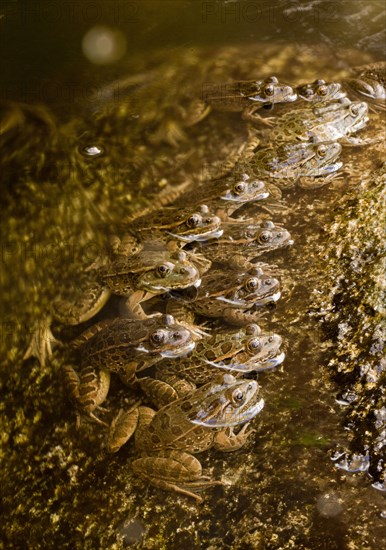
(128, 346)
(226, 195)
(246, 240)
(237, 296)
(242, 351)
(191, 223)
(249, 96)
(320, 92)
(309, 165)
(138, 278)
(369, 83)
(168, 439)
(324, 123)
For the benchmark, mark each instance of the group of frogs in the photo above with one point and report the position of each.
(192, 288)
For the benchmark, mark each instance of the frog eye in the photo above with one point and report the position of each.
(252, 284)
(354, 110)
(237, 397)
(254, 344)
(163, 270)
(194, 220)
(265, 237)
(322, 151)
(307, 92)
(322, 90)
(269, 90)
(239, 188)
(158, 337)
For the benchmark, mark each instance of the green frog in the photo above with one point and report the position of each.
(310, 165)
(206, 418)
(369, 83)
(244, 241)
(236, 296)
(326, 123)
(320, 92)
(249, 96)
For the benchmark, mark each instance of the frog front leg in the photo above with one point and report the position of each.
(251, 115)
(176, 471)
(228, 441)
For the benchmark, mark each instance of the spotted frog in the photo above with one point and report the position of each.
(244, 241)
(326, 123)
(126, 345)
(206, 418)
(191, 223)
(308, 164)
(249, 97)
(225, 196)
(369, 83)
(237, 296)
(241, 351)
(320, 92)
(152, 271)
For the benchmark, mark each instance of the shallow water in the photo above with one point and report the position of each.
(284, 490)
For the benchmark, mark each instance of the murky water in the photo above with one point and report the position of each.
(284, 491)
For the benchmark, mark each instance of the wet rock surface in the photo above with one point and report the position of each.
(58, 487)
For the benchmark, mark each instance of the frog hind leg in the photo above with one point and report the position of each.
(174, 471)
(122, 428)
(241, 318)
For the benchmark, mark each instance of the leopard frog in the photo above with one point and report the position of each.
(249, 96)
(241, 351)
(154, 270)
(304, 163)
(225, 196)
(206, 418)
(330, 122)
(193, 223)
(369, 83)
(237, 295)
(320, 92)
(126, 345)
(244, 241)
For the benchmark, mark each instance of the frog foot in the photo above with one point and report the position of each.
(41, 342)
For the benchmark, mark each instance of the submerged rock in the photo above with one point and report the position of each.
(355, 319)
